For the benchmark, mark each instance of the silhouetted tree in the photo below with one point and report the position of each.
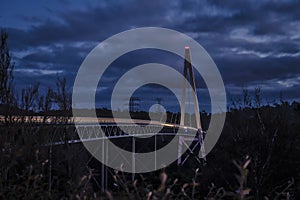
(257, 97)
(246, 98)
(29, 99)
(45, 104)
(63, 98)
(7, 99)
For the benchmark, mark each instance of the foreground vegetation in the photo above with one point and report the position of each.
(256, 156)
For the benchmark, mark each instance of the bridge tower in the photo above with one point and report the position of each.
(188, 71)
(188, 68)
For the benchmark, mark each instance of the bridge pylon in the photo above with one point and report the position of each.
(188, 71)
(188, 68)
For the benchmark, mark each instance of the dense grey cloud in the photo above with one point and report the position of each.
(254, 43)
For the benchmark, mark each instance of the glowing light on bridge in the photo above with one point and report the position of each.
(169, 125)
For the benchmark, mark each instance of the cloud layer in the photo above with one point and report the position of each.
(254, 43)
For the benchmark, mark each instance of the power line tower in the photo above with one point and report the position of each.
(159, 100)
(134, 103)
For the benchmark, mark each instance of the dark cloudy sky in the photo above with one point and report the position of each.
(253, 43)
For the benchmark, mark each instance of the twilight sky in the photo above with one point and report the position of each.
(253, 43)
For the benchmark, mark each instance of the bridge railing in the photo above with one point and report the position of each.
(90, 132)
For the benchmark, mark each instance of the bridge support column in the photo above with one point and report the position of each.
(179, 150)
(106, 168)
(155, 158)
(133, 159)
(103, 167)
